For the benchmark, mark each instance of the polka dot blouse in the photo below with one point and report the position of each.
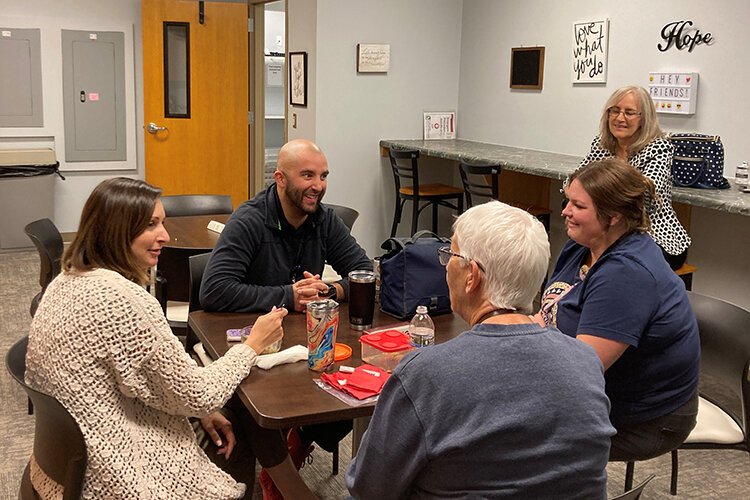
(655, 162)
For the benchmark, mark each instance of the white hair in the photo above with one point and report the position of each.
(513, 248)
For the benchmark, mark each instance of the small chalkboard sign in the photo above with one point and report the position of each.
(526, 67)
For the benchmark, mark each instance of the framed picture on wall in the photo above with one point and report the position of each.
(590, 45)
(298, 78)
(526, 68)
(373, 57)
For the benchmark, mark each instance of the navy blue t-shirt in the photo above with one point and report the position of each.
(630, 295)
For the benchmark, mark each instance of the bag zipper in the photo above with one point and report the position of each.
(711, 138)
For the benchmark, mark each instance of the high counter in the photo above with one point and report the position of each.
(558, 166)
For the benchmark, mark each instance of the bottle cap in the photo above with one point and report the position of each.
(341, 351)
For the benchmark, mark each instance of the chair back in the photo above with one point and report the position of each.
(59, 446)
(404, 164)
(49, 243)
(196, 204)
(197, 264)
(474, 178)
(725, 350)
(174, 272)
(348, 215)
(635, 493)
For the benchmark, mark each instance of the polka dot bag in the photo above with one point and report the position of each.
(698, 161)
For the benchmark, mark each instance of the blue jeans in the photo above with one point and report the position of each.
(656, 437)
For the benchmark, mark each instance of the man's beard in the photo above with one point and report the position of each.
(297, 198)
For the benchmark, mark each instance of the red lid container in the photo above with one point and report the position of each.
(387, 341)
(385, 349)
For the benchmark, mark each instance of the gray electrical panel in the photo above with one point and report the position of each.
(94, 95)
(20, 78)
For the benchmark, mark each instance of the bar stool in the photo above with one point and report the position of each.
(474, 177)
(686, 274)
(405, 167)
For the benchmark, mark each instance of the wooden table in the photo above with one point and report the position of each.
(191, 231)
(286, 396)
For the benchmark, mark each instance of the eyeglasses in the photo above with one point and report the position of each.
(628, 113)
(445, 254)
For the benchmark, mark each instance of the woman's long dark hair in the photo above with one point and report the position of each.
(116, 212)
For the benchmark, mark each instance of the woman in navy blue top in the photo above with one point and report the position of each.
(612, 289)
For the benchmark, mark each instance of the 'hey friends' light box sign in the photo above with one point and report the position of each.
(674, 93)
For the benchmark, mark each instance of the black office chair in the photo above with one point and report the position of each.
(635, 493)
(196, 204)
(49, 243)
(173, 285)
(405, 167)
(474, 177)
(196, 264)
(59, 448)
(348, 215)
(725, 365)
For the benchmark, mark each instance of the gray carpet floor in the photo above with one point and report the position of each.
(703, 474)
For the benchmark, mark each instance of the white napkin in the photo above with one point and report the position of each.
(290, 355)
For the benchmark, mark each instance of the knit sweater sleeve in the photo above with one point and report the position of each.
(150, 364)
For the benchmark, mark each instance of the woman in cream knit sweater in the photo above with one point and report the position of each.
(100, 344)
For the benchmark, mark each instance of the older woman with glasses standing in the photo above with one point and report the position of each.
(629, 130)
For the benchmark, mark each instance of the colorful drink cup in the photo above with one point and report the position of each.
(322, 325)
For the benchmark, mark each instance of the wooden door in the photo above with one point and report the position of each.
(204, 146)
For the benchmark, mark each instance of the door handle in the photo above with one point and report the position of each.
(153, 128)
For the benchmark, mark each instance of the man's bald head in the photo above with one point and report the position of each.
(297, 151)
(301, 179)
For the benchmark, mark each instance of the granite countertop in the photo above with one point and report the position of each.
(558, 166)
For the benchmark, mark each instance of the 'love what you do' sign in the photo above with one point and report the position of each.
(590, 52)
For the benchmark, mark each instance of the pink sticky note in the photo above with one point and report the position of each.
(93, 96)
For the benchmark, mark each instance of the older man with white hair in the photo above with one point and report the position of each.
(507, 408)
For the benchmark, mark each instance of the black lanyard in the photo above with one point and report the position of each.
(495, 312)
(295, 273)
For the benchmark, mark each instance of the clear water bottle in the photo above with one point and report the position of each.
(741, 176)
(421, 328)
(376, 268)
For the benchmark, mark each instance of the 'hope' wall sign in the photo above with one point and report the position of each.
(682, 36)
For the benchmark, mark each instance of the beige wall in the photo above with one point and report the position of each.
(564, 117)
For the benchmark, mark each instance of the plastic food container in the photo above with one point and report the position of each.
(385, 349)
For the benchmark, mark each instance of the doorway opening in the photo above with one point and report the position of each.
(269, 81)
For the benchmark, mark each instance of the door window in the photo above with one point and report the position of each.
(176, 70)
